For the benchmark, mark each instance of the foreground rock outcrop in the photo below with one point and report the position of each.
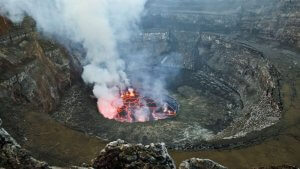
(121, 155)
(196, 163)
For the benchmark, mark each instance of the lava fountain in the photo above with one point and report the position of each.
(130, 106)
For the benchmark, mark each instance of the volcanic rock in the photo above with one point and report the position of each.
(196, 163)
(32, 70)
(121, 155)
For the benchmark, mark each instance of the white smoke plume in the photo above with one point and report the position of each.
(98, 25)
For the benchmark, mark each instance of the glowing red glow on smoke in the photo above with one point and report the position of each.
(130, 106)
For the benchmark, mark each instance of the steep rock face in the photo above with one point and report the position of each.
(121, 155)
(32, 71)
(196, 163)
(248, 72)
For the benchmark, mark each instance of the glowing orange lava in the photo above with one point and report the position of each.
(130, 106)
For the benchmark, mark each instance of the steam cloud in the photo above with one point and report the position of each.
(98, 25)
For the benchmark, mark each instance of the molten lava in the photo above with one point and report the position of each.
(130, 106)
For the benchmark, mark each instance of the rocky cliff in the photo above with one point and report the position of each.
(33, 71)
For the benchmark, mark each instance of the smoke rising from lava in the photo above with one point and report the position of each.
(98, 25)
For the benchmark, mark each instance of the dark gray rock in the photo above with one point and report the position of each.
(121, 155)
(196, 163)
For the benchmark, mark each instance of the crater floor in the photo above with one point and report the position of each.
(204, 112)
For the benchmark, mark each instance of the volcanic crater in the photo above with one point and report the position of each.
(229, 70)
(226, 90)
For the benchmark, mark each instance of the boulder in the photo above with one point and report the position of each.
(196, 163)
(121, 155)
